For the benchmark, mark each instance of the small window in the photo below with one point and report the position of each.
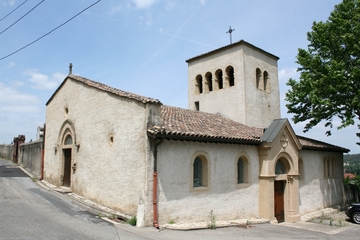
(219, 78)
(301, 169)
(208, 77)
(197, 106)
(230, 75)
(68, 140)
(242, 170)
(266, 77)
(200, 171)
(280, 167)
(258, 78)
(329, 167)
(199, 84)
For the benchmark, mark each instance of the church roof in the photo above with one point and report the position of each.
(312, 144)
(241, 42)
(190, 125)
(184, 124)
(106, 88)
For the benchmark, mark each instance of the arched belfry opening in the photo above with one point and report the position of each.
(68, 147)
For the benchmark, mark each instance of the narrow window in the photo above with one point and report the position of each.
(230, 75)
(219, 78)
(240, 170)
(197, 172)
(199, 84)
(208, 77)
(301, 169)
(258, 78)
(197, 106)
(266, 77)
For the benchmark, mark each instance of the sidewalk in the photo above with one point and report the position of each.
(107, 214)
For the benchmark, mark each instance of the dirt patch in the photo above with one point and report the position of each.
(336, 219)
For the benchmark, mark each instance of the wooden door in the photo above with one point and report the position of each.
(279, 200)
(67, 167)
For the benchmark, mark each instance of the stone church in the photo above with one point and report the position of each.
(230, 152)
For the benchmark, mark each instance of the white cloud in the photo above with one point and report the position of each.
(203, 2)
(10, 65)
(286, 73)
(10, 2)
(144, 3)
(12, 100)
(10, 95)
(43, 81)
(147, 19)
(115, 10)
(170, 5)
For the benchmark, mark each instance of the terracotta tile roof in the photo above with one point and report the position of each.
(312, 144)
(349, 175)
(183, 124)
(106, 88)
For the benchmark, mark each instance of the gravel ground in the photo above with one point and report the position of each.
(332, 217)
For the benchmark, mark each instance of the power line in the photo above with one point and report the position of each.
(22, 16)
(50, 31)
(13, 10)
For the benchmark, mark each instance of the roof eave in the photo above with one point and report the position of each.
(203, 139)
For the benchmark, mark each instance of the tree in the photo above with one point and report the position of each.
(329, 84)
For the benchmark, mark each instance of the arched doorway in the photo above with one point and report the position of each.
(67, 153)
(281, 171)
(67, 143)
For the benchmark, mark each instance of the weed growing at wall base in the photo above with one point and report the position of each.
(212, 220)
(132, 221)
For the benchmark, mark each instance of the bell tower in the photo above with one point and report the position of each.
(238, 81)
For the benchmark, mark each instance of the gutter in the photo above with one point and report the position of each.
(155, 206)
(42, 155)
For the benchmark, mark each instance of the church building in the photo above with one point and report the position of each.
(230, 152)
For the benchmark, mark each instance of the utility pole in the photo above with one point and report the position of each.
(230, 31)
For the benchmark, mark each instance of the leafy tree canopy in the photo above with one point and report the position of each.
(329, 84)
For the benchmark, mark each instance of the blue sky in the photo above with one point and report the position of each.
(141, 46)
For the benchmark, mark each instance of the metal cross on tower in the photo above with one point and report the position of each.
(230, 31)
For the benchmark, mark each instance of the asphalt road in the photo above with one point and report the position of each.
(28, 211)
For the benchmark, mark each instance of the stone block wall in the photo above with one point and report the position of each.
(6, 151)
(30, 157)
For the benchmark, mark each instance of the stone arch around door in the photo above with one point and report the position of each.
(68, 148)
(286, 189)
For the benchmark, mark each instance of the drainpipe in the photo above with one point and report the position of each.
(42, 154)
(155, 207)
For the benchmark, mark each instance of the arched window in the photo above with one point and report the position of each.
(208, 77)
(266, 78)
(258, 78)
(200, 172)
(68, 140)
(199, 84)
(280, 167)
(230, 75)
(242, 170)
(301, 169)
(219, 78)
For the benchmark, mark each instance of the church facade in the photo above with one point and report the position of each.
(229, 153)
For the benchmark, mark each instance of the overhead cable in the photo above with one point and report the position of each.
(22, 16)
(13, 10)
(50, 31)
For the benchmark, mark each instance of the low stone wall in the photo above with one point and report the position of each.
(30, 157)
(6, 151)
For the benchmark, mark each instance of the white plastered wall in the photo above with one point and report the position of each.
(110, 173)
(316, 191)
(178, 201)
(242, 102)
